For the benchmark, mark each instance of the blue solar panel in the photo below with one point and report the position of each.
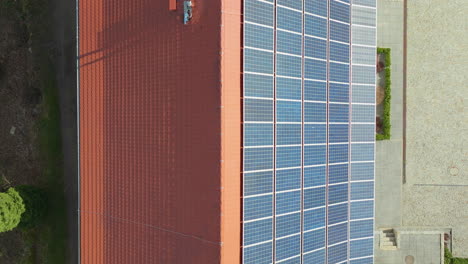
(314, 219)
(315, 91)
(309, 131)
(314, 176)
(315, 112)
(337, 233)
(288, 88)
(259, 254)
(258, 182)
(338, 153)
(338, 173)
(258, 231)
(258, 37)
(288, 247)
(315, 134)
(314, 240)
(338, 92)
(364, 74)
(258, 135)
(339, 32)
(315, 48)
(287, 111)
(315, 69)
(287, 157)
(289, 20)
(288, 42)
(338, 133)
(339, 72)
(288, 134)
(314, 197)
(362, 190)
(258, 85)
(317, 7)
(362, 133)
(288, 179)
(369, 260)
(338, 113)
(362, 152)
(362, 210)
(259, 12)
(362, 171)
(363, 93)
(339, 11)
(258, 61)
(258, 159)
(338, 193)
(288, 202)
(371, 3)
(337, 253)
(337, 213)
(258, 207)
(288, 66)
(361, 248)
(315, 257)
(294, 260)
(364, 228)
(339, 52)
(315, 26)
(314, 155)
(288, 225)
(291, 3)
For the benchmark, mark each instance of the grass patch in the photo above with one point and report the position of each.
(54, 233)
(386, 125)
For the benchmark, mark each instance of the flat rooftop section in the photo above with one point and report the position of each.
(436, 192)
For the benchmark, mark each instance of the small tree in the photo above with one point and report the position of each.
(11, 208)
(35, 203)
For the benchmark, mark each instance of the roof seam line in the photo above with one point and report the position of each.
(152, 226)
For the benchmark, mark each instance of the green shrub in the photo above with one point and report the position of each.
(449, 259)
(459, 261)
(386, 125)
(447, 256)
(35, 202)
(11, 208)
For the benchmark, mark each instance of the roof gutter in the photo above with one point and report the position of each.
(77, 13)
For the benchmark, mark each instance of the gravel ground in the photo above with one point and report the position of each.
(437, 118)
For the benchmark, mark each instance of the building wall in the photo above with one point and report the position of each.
(150, 134)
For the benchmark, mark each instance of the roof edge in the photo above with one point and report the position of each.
(231, 128)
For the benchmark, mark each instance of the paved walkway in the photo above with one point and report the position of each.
(65, 64)
(389, 153)
(424, 248)
(435, 192)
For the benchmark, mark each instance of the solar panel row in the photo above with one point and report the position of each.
(309, 92)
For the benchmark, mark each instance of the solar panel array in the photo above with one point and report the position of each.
(309, 130)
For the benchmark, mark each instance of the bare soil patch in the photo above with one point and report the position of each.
(20, 113)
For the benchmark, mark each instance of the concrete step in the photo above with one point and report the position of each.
(388, 248)
(388, 243)
(389, 234)
(389, 239)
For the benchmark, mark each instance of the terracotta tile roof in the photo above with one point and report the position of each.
(151, 179)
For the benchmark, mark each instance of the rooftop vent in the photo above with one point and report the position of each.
(187, 11)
